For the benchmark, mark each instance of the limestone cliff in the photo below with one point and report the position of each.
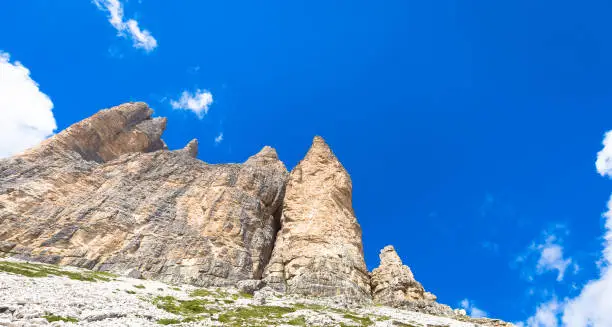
(106, 194)
(318, 250)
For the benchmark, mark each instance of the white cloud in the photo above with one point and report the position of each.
(546, 315)
(593, 306)
(26, 116)
(141, 38)
(198, 102)
(549, 254)
(471, 309)
(219, 138)
(604, 157)
(551, 258)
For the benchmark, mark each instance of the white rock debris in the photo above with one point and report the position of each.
(121, 301)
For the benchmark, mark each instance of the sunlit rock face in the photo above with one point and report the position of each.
(318, 251)
(107, 194)
(393, 284)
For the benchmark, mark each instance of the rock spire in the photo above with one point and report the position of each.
(393, 283)
(318, 250)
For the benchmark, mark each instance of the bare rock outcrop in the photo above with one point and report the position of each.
(393, 284)
(126, 128)
(106, 194)
(191, 149)
(318, 250)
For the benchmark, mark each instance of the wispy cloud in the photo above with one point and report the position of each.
(604, 157)
(547, 255)
(198, 102)
(26, 116)
(141, 38)
(551, 258)
(471, 309)
(592, 307)
(193, 70)
(219, 138)
(546, 315)
(487, 205)
(490, 246)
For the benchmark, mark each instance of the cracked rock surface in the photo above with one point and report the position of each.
(318, 250)
(106, 194)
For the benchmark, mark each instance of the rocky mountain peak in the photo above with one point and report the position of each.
(266, 155)
(320, 154)
(126, 128)
(394, 284)
(101, 195)
(104, 194)
(319, 143)
(388, 256)
(191, 149)
(318, 249)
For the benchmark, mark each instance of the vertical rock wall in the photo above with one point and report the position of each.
(106, 194)
(318, 250)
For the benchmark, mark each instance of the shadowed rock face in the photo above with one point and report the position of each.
(393, 283)
(106, 194)
(318, 250)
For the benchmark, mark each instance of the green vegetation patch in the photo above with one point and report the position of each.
(53, 318)
(201, 292)
(171, 321)
(140, 286)
(245, 295)
(363, 321)
(401, 324)
(299, 321)
(254, 316)
(183, 307)
(43, 270)
(313, 307)
(168, 321)
(219, 293)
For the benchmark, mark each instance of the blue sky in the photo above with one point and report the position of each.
(470, 128)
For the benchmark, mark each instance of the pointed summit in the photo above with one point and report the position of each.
(108, 134)
(267, 152)
(318, 250)
(393, 283)
(266, 156)
(321, 151)
(318, 141)
(388, 256)
(191, 149)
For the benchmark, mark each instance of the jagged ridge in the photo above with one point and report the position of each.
(107, 194)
